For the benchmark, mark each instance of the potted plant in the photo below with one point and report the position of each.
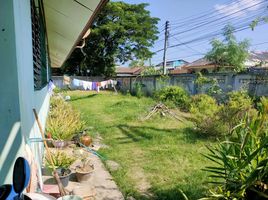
(63, 122)
(84, 170)
(61, 161)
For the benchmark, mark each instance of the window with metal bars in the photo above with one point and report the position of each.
(40, 59)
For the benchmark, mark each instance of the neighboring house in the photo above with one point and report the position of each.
(127, 71)
(172, 64)
(255, 60)
(181, 70)
(34, 35)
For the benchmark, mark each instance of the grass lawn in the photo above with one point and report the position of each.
(158, 157)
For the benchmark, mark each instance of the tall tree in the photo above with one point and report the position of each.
(229, 52)
(120, 33)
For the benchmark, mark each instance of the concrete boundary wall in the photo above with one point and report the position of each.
(255, 84)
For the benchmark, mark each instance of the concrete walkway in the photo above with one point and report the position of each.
(100, 185)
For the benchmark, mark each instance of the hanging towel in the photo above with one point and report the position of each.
(89, 85)
(66, 80)
(104, 84)
(76, 82)
(84, 84)
(94, 86)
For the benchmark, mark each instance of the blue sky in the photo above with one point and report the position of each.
(231, 11)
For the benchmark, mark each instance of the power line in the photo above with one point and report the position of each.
(199, 15)
(187, 45)
(217, 19)
(228, 21)
(236, 25)
(241, 28)
(206, 16)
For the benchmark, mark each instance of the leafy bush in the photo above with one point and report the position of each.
(240, 164)
(204, 109)
(63, 121)
(60, 160)
(138, 90)
(237, 105)
(174, 94)
(208, 85)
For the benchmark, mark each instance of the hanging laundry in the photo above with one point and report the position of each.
(87, 85)
(51, 87)
(84, 84)
(66, 80)
(114, 83)
(104, 84)
(76, 82)
(94, 85)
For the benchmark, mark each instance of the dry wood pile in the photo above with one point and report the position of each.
(163, 110)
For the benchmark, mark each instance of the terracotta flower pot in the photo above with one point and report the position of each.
(84, 173)
(86, 140)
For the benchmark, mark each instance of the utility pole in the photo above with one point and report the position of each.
(165, 47)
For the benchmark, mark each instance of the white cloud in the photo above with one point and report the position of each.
(238, 8)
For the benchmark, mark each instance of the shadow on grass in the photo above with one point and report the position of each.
(140, 133)
(75, 98)
(174, 193)
(192, 192)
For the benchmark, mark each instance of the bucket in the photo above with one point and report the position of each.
(70, 197)
(64, 179)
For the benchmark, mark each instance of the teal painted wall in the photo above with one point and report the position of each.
(11, 141)
(18, 98)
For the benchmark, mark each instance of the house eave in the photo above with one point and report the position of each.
(67, 21)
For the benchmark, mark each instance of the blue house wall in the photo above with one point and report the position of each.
(17, 94)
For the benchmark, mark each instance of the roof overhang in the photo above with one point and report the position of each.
(67, 21)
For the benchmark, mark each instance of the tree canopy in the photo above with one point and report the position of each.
(229, 52)
(121, 32)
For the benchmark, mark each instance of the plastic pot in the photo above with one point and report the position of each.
(64, 175)
(59, 143)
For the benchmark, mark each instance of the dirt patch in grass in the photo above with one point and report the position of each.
(142, 184)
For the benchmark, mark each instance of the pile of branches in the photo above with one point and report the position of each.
(163, 110)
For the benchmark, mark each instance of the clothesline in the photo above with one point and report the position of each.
(90, 85)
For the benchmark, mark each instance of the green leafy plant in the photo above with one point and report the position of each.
(229, 53)
(63, 121)
(138, 90)
(60, 160)
(238, 103)
(174, 94)
(208, 85)
(240, 169)
(204, 109)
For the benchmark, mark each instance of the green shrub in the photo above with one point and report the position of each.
(60, 160)
(174, 94)
(240, 163)
(204, 110)
(138, 90)
(63, 121)
(238, 104)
